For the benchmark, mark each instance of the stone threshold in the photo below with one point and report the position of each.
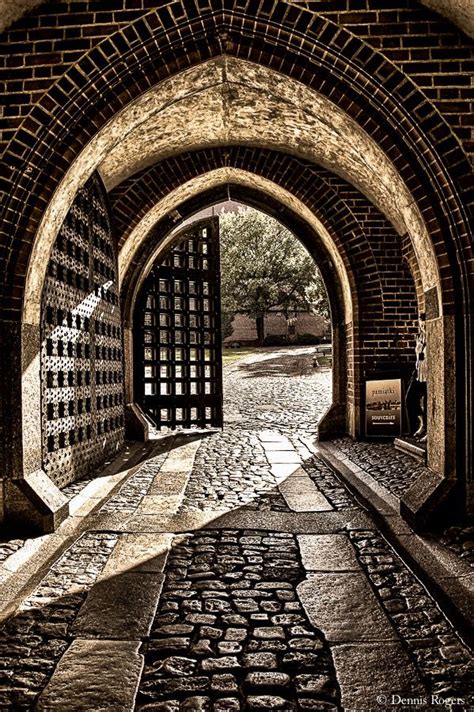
(449, 579)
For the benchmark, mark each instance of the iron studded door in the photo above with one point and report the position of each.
(177, 333)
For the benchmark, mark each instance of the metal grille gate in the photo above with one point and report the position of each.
(81, 351)
(177, 333)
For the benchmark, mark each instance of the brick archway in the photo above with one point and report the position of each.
(387, 101)
(296, 216)
(318, 54)
(336, 226)
(286, 115)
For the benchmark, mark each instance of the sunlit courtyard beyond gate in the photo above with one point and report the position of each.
(226, 570)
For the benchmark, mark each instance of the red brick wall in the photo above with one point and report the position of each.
(426, 47)
(435, 54)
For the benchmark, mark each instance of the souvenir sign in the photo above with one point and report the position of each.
(383, 408)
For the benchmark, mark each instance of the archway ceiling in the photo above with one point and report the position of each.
(249, 180)
(355, 224)
(461, 12)
(227, 101)
(232, 101)
(323, 191)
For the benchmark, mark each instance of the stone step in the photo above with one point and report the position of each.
(411, 447)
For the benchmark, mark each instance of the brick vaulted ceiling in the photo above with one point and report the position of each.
(51, 54)
(460, 12)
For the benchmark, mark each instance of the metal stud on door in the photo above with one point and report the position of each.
(177, 333)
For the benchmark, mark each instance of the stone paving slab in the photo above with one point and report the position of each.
(120, 607)
(282, 471)
(85, 679)
(323, 552)
(295, 473)
(145, 553)
(344, 607)
(181, 458)
(164, 505)
(169, 483)
(271, 436)
(279, 445)
(369, 674)
(283, 457)
(295, 522)
(302, 495)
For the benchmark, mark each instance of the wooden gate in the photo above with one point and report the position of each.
(177, 333)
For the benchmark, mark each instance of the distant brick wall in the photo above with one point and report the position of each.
(244, 330)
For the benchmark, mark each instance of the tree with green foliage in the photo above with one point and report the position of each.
(264, 266)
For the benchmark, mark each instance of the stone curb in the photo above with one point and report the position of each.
(449, 580)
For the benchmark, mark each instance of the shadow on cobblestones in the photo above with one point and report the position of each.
(393, 469)
(231, 470)
(231, 632)
(32, 641)
(279, 366)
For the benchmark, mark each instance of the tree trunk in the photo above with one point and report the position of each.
(260, 324)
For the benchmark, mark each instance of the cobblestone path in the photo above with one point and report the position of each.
(32, 641)
(277, 391)
(231, 470)
(230, 628)
(392, 468)
(232, 572)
